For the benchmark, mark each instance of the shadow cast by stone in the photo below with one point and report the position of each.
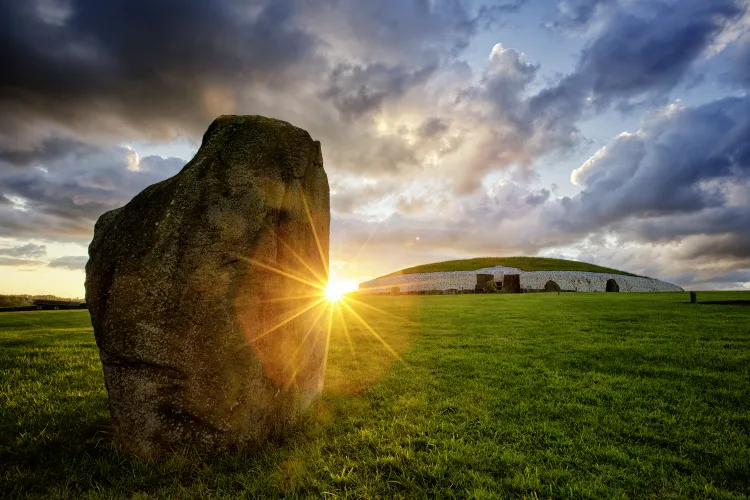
(745, 303)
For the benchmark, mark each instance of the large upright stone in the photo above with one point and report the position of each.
(199, 323)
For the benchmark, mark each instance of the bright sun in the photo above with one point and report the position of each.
(337, 288)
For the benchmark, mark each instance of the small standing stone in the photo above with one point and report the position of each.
(693, 298)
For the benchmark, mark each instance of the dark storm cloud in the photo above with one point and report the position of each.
(398, 30)
(711, 221)
(720, 280)
(49, 149)
(160, 69)
(682, 161)
(636, 51)
(433, 126)
(731, 278)
(734, 246)
(382, 85)
(125, 63)
(639, 50)
(678, 189)
(357, 90)
(85, 74)
(64, 200)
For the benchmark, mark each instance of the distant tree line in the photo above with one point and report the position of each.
(28, 300)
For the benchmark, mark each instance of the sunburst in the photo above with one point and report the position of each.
(324, 300)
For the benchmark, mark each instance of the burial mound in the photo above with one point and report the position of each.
(518, 275)
(200, 337)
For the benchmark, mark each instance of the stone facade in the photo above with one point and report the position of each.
(576, 281)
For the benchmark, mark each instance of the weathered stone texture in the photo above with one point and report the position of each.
(179, 299)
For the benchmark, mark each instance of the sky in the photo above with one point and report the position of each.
(615, 132)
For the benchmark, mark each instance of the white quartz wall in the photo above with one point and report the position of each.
(578, 281)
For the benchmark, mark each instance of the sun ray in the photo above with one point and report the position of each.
(284, 273)
(378, 310)
(346, 331)
(367, 242)
(328, 340)
(296, 315)
(292, 358)
(312, 226)
(374, 333)
(303, 262)
(294, 297)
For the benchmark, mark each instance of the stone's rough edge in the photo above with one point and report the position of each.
(580, 281)
(213, 141)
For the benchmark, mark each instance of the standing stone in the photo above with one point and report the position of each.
(612, 286)
(184, 296)
(395, 291)
(512, 283)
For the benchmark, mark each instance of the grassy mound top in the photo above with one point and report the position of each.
(522, 263)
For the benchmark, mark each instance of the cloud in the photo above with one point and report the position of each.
(49, 149)
(27, 255)
(637, 52)
(71, 263)
(576, 16)
(671, 196)
(357, 90)
(63, 200)
(86, 68)
(662, 46)
(739, 72)
(410, 130)
(690, 164)
(29, 251)
(16, 262)
(343, 69)
(96, 68)
(727, 281)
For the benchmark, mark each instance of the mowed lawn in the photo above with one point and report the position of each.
(499, 396)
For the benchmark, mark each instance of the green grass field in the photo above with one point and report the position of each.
(502, 396)
(522, 263)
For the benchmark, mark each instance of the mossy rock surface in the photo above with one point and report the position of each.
(181, 291)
